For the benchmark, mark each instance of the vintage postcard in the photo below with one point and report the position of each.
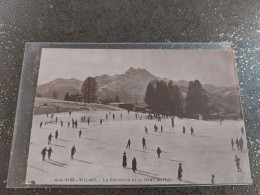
(137, 117)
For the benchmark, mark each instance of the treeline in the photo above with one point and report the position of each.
(166, 98)
(163, 97)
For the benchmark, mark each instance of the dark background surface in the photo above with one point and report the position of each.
(236, 21)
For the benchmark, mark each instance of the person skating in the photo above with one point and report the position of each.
(73, 151)
(61, 123)
(124, 160)
(159, 152)
(72, 123)
(80, 132)
(128, 144)
(232, 143)
(213, 179)
(100, 121)
(41, 124)
(76, 124)
(114, 116)
(121, 115)
(242, 130)
(146, 130)
(161, 128)
(134, 165)
(172, 122)
(44, 150)
(237, 160)
(183, 129)
(56, 119)
(241, 143)
(68, 124)
(191, 131)
(56, 134)
(49, 153)
(106, 116)
(237, 143)
(88, 120)
(180, 170)
(49, 138)
(144, 144)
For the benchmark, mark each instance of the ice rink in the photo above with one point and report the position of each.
(99, 151)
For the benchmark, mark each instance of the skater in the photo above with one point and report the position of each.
(68, 124)
(161, 128)
(114, 116)
(51, 115)
(191, 131)
(76, 124)
(144, 144)
(124, 160)
(41, 124)
(106, 116)
(44, 153)
(121, 115)
(180, 170)
(100, 121)
(183, 130)
(80, 132)
(72, 123)
(49, 153)
(47, 114)
(135, 115)
(155, 128)
(146, 130)
(232, 143)
(56, 119)
(69, 112)
(56, 134)
(73, 151)
(213, 179)
(237, 160)
(49, 138)
(88, 120)
(61, 123)
(237, 143)
(159, 152)
(134, 163)
(242, 130)
(128, 144)
(241, 143)
(172, 122)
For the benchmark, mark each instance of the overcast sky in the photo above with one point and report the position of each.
(209, 66)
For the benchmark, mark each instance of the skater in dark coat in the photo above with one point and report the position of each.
(237, 160)
(49, 138)
(100, 121)
(73, 151)
(241, 143)
(242, 130)
(80, 132)
(41, 124)
(183, 129)
(68, 124)
(106, 116)
(213, 179)
(88, 120)
(232, 143)
(49, 153)
(146, 130)
(128, 144)
(134, 163)
(144, 144)
(161, 128)
(172, 122)
(159, 152)
(191, 131)
(124, 160)
(114, 116)
(121, 115)
(180, 170)
(56, 119)
(56, 134)
(44, 153)
(61, 123)
(237, 143)
(76, 123)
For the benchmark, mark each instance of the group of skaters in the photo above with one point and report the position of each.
(239, 143)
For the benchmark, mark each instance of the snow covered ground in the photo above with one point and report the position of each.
(98, 159)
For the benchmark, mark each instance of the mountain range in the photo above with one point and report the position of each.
(131, 86)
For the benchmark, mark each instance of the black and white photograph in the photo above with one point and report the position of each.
(137, 117)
